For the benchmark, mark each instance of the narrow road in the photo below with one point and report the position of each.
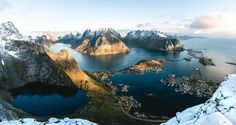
(133, 117)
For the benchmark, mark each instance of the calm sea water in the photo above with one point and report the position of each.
(219, 49)
(44, 100)
(155, 98)
(164, 100)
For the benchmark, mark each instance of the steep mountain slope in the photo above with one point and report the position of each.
(104, 44)
(152, 40)
(68, 64)
(24, 61)
(101, 42)
(219, 110)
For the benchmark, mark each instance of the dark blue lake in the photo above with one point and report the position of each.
(44, 100)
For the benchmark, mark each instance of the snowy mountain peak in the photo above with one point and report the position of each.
(9, 31)
(219, 110)
(95, 34)
(146, 34)
(9, 26)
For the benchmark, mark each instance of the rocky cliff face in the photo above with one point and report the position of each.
(104, 43)
(24, 61)
(219, 110)
(152, 40)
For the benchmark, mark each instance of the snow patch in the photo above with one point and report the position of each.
(219, 110)
(51, 121)
(3, 63)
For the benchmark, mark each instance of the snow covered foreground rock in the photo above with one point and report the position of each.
(51, 121)
(219, 110)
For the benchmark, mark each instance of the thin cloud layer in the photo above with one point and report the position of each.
(206, 22)
(219, 23)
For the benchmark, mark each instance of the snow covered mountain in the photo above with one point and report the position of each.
(219, 110)
(51, 121)
(9, 31)
(152, 39)
(143, 34)
(76, 39)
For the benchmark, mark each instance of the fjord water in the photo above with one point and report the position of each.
(219, 49)
(155, 98)
(45, 100)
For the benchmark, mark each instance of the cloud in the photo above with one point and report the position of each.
(206, 22)
(165, 26)
(3, 5)
(215, 24)
(146, 25)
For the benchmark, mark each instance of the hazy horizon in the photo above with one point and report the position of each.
(202, 17)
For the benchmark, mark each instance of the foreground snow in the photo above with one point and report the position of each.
(219, 110)
(51, 121)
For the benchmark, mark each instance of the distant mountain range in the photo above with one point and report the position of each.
(108, 41)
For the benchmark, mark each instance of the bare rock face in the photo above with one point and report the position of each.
(6, 114)
(105, 44)
(152, 40)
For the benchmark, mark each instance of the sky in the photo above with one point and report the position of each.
(201, 17)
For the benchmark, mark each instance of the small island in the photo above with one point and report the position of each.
(152, 65)
(191, 85)
(206, 61)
